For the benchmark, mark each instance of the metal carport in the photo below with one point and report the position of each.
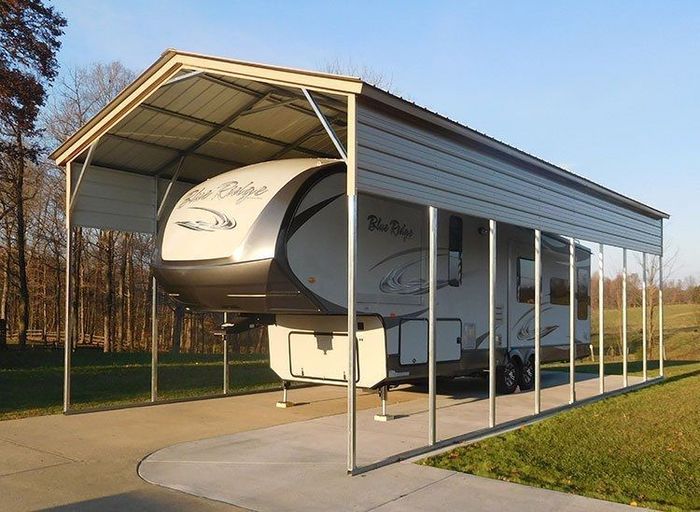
(189, 117)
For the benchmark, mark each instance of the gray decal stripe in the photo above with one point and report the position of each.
(221, 221)
(299, 220)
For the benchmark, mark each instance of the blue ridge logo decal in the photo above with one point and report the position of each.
(219, 222)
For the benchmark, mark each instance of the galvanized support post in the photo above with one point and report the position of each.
(572, 320)
(644, 317)
(538, 319)
(661, 317)
(492, 323)
(351, 191)
(352, 325)
(432, 292)
(154, 340)
(67, 345)
(225, 349)
(624, 318)
(601, 318)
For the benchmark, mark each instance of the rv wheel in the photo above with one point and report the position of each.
(507, 377)
(527, 375)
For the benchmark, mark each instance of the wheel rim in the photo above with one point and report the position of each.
(528, 373)
(510, 376)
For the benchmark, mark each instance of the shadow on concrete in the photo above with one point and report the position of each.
(477, 388)
(143, 501)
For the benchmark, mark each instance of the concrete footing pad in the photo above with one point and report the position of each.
(301, 466)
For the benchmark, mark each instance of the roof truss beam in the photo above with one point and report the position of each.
(277, 90)
(222, 161)
(229, 129)
(213, 132)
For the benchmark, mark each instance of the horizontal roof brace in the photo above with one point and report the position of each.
(268, 107)
(229, 129)
(215, 159)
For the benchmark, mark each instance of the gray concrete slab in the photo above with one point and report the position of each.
(88, 461)
(301, 466)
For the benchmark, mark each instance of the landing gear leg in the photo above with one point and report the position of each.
(284, 403)
(383, 395)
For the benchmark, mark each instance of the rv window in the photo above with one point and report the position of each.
(583, 296)
(526, 281)
(559, 291)
(454, 268)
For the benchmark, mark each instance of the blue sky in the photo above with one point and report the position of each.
(607, 89)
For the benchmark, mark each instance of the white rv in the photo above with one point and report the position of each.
(269, 242)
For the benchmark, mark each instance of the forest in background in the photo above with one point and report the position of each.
(42, 105)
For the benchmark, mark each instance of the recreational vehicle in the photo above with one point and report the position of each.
(269, 242)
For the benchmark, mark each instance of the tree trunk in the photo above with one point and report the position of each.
(108, 276)
(179, 317)
(77, 302)
(57, 262)
(18, 190)
(3, 299)
(130, 296)
(122, 292)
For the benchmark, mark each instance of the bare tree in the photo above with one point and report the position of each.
(29, 42)
(80, 93)
(371, 76)
(653, 267)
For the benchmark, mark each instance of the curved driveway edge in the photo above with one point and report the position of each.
(301, 466)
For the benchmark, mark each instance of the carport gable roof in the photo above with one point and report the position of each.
(154, 115)
(201, 106)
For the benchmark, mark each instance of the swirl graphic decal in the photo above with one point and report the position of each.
(220, 221)
(404, 278)
(525, 325)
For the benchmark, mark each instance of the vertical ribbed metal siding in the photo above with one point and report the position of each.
(401, 159)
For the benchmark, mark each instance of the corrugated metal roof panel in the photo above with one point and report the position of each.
(241, 149)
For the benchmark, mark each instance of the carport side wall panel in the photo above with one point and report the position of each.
(400, 158)
(122, 201)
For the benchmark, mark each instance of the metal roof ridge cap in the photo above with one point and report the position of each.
(275, 67)
(408, 107)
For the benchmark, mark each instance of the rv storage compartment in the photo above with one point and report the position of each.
(314, 348)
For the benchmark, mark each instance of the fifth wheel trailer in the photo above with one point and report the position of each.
(269, 242)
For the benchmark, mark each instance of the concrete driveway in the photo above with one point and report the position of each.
(301, 466)
(89, 461)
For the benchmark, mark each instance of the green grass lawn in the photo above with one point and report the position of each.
(681, 331)
(639, 448)
(31, 382)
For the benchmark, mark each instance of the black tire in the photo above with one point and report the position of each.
(526, 379)
(507, 377)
